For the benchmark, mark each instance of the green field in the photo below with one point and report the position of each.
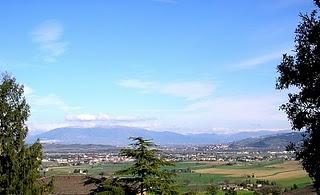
(196, 176)
(93, 170)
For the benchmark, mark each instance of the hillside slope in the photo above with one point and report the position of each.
(271, 141)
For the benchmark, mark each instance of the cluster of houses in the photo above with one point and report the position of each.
(85, 158)
(231, 156)
(248, 185)
(219, 153)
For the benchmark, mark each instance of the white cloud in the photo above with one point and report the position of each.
(190, 90)
(103, 117)
(214, 115)
(27, 90)
(242, 112)
(49, 101)
(48, 36)
(259, 60)
(240, 108)
(38, 127)
(91, 120)
(225, 115)
(53, 106)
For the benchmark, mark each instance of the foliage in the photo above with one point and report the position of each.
(317, 2)
(294, 187)
(147, 174)
(109, 188)
(266, 182)
(301, 72)
(76, 171)
(274, 190)
(49, 187)
(230, 192)
(19, 170)
(212, 190)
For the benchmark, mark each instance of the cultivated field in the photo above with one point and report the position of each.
(71, 184)
(285, 173)
(196, 176)
(93, 170)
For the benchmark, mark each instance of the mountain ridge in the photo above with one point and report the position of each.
(272, 141)
(119, 136)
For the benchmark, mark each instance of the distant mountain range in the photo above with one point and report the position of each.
(119, 136)
(271, 141)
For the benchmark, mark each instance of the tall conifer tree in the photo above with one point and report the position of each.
(19, 168)
(147, 174)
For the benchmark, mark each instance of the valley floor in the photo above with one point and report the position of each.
(196, 176)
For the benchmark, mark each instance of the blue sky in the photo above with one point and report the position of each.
(180, 65)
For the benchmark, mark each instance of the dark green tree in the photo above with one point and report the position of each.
(300, 72)
(274, 190)
(317, 2)
(295, 186)
(148, 173)
(19, 168)
(109, 187)
(230, 192)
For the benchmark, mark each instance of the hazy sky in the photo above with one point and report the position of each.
(179, 65)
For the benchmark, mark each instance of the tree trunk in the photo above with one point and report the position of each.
(141, 190)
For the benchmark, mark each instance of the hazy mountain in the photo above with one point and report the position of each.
(120, 135)
(271, 141)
